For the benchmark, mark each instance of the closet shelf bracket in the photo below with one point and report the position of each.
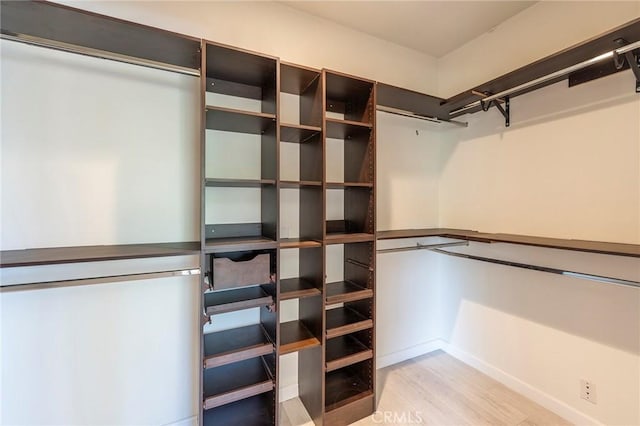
(505, 111)
(633, 60)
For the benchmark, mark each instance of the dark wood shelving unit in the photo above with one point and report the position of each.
(219, 302)
(344, 351)
(221, 245)
(237, 344)
(294, 336)
(346, 291)
(297, 288)
(350, 105)
(236, 381)
(304, 87)
(341, 321)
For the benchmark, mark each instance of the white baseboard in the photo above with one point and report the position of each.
(288, 392)
(405, 354)
(189, 421)
(547, 401)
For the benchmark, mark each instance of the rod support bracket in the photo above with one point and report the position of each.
(505, 111)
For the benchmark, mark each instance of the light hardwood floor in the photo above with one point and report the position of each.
(437, 389)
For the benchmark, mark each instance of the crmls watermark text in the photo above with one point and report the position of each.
(397, 417)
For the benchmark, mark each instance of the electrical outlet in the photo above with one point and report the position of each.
(588, 391)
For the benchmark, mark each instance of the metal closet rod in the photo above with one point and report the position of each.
(592, 277)
(404, 113)
(552, 76)
(99, 280)
(97, 53)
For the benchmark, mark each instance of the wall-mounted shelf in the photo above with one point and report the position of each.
(255, 411)
(300, 183)
(57, 255)
(238, 183)
(298, 133)
(297, 288)
(617, 249)
(344, 351)
(234, 120)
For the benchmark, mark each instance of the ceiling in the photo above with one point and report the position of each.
(432, 27)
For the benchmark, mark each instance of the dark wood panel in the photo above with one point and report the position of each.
(240, 66)
(238, 183)
(344, 386)
(346, 291)
(296, 78)
(287, 243)
(409, 100)
(237, 344)
(231, 88)
(344, 351)
(57, 255)
(344, 87)
(234, 120)
(236, 381)
(341, 321)
(618, 249)
(219, 302)
(296, 288)
(346, 129)
(257, 410)
(311, 382)
(298, 133)
(350, 410)
(294, 336)
(81, 28)
(221, 245)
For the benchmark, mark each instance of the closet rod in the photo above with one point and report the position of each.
(549, 77)
(419, 246)
(592, 277)
(97, 53)
(98, 280)
(410, 114)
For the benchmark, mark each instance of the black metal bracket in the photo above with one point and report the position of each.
(505, 111)
(633, 59)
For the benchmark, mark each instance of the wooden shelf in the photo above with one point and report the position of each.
(297, 288)
(294, 336)
(343, 185)
(343, 87)
(300, 184)
(219, 302)
(78, 254)
(298, 133)
(344, 386)
(345, 129)
(237, 344)
(346, 238)
(410, 101)
(234, 120)
(236, 381)
(254, 411)
(346, 291)
(221, 245)
(341, 321)
(344, 351)
(618, 249)
(238, 183)
(287, 243)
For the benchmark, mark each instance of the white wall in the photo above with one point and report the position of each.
(276, 29)
(568, 167)
(541, 30)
